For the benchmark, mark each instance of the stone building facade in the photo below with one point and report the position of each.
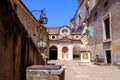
(102, 18)
(64, 44)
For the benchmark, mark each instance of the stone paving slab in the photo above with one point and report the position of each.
(74, 71)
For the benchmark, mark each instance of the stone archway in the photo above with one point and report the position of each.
(65, 52)
(53, 53)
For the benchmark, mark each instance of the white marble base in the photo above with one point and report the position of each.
(45, 72)
(85, 58)
(84, 63)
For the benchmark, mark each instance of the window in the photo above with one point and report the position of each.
(107, 28)
(79, 18)
(64, 31)
(95, 15)
(53, 37)
(87, 12)
(77, 37)
(105, 4)
(87, 5)
(15, 7)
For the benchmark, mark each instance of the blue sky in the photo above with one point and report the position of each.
(59, 12)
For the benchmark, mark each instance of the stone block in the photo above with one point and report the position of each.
(45, 72)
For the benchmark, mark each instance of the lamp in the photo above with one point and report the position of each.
(42, 19)
(42, 44)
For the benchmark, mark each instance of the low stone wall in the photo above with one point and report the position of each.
(47, 72)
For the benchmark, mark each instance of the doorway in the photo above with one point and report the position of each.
(108, 56)
(53, 53)
(76, 53)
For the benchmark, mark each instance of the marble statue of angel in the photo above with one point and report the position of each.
(84, 35)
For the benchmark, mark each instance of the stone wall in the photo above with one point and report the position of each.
(98, 43)
(16, 50)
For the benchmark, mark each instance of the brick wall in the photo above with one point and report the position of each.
(15, 52)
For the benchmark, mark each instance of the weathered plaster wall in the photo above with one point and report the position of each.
(97, 43)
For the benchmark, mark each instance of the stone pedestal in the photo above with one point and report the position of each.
(45, 72)
(85, 57)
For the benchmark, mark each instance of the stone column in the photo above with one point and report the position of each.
(59, 52)
(70, 52)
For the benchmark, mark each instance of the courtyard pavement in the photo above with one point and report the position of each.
(74, 71)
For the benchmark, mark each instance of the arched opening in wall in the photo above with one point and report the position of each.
(76, 53)
(53, 53)
(65, 52)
